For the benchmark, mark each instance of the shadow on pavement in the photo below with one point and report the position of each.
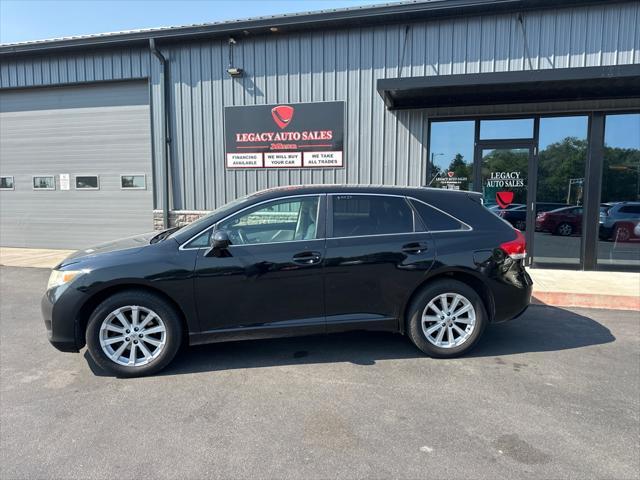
(541, 329)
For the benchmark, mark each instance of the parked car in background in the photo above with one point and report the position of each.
(517, 216)
(618, 221)
(563, 221)
(432, 264)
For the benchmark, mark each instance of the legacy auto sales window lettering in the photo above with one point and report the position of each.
(285, 136)
(505, 179)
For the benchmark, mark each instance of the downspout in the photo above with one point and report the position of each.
(166, 134)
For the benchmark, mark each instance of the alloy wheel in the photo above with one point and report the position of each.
(132, 335)
(448, 320)
(565, 229)
(622, 234)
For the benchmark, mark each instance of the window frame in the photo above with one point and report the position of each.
(13, 182)
(320, 232)
(75, 181)
(33, 185)
(143, 175)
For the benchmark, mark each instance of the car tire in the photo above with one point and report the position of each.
(420, 319)
(621, 233)
(155, 342)
(564, 229)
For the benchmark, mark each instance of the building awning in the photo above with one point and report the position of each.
(562, 84)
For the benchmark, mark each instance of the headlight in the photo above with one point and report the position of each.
(61, 277)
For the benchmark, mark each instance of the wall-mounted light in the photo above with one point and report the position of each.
(235, 71)
(232, 70)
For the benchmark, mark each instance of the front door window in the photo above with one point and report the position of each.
(504, 177)
(278, 221)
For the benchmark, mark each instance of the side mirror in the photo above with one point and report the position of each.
(220, 240)
(219, 244)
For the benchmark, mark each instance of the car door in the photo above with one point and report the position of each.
(376, 255)
(269, 279)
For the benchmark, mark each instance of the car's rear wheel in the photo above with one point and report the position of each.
(446, 319)
(133, 333)
(564, 229)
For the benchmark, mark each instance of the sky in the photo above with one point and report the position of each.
(22, 20)
(450, 138)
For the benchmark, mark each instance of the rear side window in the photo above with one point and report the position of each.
(435, 219)
(630, 209)
(357, 215)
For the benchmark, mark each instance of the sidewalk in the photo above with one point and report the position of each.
(561, 288)
(570, 288)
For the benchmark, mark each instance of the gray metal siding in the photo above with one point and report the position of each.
(381, 146)
(101, 129)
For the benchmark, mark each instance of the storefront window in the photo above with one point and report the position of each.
(619, 227)
(506, 129)
(559, 195)
(451, 155)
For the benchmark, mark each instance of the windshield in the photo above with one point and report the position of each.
(197, 225)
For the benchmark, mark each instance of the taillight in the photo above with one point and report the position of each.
(516, 249)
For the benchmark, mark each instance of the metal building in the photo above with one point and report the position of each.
(108, 135)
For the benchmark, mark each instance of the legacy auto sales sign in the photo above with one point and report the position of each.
(285, 136)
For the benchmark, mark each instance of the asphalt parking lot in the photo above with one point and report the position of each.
(554, 394)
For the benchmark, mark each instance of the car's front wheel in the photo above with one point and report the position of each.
(133, 333)
(446, 319)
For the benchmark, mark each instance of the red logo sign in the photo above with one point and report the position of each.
(282, 115)
(504, 199)
(451, 174)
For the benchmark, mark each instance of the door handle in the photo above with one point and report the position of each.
(307, 258)
(414, 248)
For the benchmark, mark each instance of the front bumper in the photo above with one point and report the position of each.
(60, 307)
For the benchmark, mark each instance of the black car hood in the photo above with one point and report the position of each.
(134, 244)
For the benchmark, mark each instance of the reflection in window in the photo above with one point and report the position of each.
(506, 129)
(278, 221)
(86, 182)
(44, 183)
(357, 215)
(619, 223)
(6, 183)
(560, 190)
(451, 155)
(137, 182)
(435, 220)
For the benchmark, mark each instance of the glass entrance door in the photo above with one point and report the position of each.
(504, 179)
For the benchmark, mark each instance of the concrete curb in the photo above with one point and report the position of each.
(587, 300)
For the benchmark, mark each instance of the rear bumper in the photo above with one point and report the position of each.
(511, 294)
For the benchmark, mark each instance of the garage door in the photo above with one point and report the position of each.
(75, 165)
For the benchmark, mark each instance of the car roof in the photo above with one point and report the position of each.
(346, 188)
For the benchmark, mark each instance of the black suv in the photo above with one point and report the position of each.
(432, 264)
